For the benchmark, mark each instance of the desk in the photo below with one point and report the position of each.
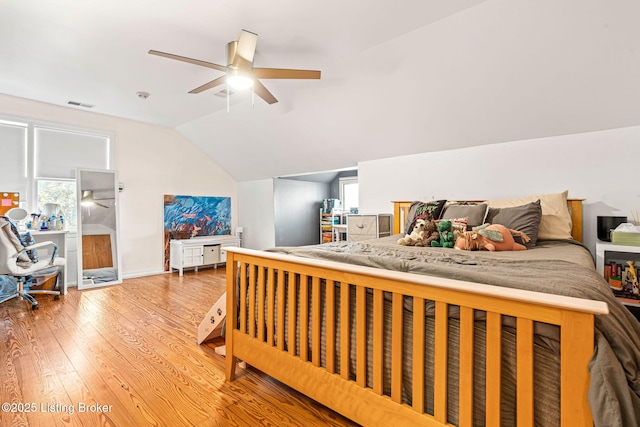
(59, 237)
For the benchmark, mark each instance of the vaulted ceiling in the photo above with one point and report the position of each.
(398, 78)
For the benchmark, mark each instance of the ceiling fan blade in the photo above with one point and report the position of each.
(101, 205)
(246, 46)
(262, 92)
(284, 73)
(189, 60)
(211, 84)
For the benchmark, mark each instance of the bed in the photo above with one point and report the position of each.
(392, 335)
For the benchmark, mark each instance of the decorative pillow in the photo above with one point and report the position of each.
(525, 218)
(418, 210)
(475, 213)
(555, 223)
(28, 240)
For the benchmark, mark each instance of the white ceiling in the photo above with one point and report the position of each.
(399, 77)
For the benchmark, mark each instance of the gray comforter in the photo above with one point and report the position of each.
(562, 268)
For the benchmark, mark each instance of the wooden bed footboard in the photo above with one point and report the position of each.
(264, 337)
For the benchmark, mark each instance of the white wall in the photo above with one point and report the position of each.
(601, 167)
(151, 161)
(257, 218)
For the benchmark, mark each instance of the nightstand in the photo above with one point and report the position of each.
(607, 252)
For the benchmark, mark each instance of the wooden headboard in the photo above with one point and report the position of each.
(400, 209)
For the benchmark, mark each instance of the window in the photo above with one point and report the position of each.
(349, 193)
(39, 161)
(61, 192)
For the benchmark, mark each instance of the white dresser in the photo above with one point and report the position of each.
(363, 227)
(199, 251)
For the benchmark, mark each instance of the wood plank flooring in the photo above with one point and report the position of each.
(127, 355)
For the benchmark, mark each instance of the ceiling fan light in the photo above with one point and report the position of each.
(87, 198)
(238, 80)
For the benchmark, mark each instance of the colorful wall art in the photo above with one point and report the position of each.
(189, 216)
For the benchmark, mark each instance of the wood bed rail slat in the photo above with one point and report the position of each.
(378, 339)
(465, 398)
(330, 338)
(493, 368)
(315, 322)
(417, 380)
(524, 371)
(271, 305)
(361, 336)
(243, 297)
(281, 307)
(440, 369)
(252, 300)
(261, 305)
(292, 314)
(344, 330)
(396, 346)
(304, 317)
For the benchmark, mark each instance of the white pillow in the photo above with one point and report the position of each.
(556, 218)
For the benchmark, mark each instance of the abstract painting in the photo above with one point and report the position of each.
(190, 216)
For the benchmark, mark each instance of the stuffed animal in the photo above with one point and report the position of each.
(431, 233)
(416, 234)
(446, 238)
(494, 237)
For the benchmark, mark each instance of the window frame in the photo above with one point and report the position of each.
(29, 200)
(344, 181)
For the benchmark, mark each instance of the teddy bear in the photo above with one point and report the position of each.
(494, 237)
(446, 238)
(430, 232)
(416, 234)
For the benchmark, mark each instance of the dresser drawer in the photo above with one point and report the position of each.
(362, 225)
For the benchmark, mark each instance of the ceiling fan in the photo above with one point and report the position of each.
(88, 199)
(240, 72)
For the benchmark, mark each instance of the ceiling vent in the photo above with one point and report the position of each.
(80, 104)
(223, 93)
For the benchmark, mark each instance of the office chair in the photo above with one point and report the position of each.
(14, 262)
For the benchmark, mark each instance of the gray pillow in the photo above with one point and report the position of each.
(475, 214)
(418, 210)
(525, 218)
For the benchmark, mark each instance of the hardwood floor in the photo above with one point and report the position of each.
(127, 355)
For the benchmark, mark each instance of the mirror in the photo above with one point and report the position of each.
(99, 260)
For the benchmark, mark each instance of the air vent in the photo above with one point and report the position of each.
(223, 93)
(80, 104)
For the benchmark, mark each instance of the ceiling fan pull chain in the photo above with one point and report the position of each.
(253, 98)
(228, 89)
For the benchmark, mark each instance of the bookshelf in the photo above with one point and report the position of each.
(327, 221)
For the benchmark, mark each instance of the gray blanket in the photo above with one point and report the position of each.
(562, 268)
